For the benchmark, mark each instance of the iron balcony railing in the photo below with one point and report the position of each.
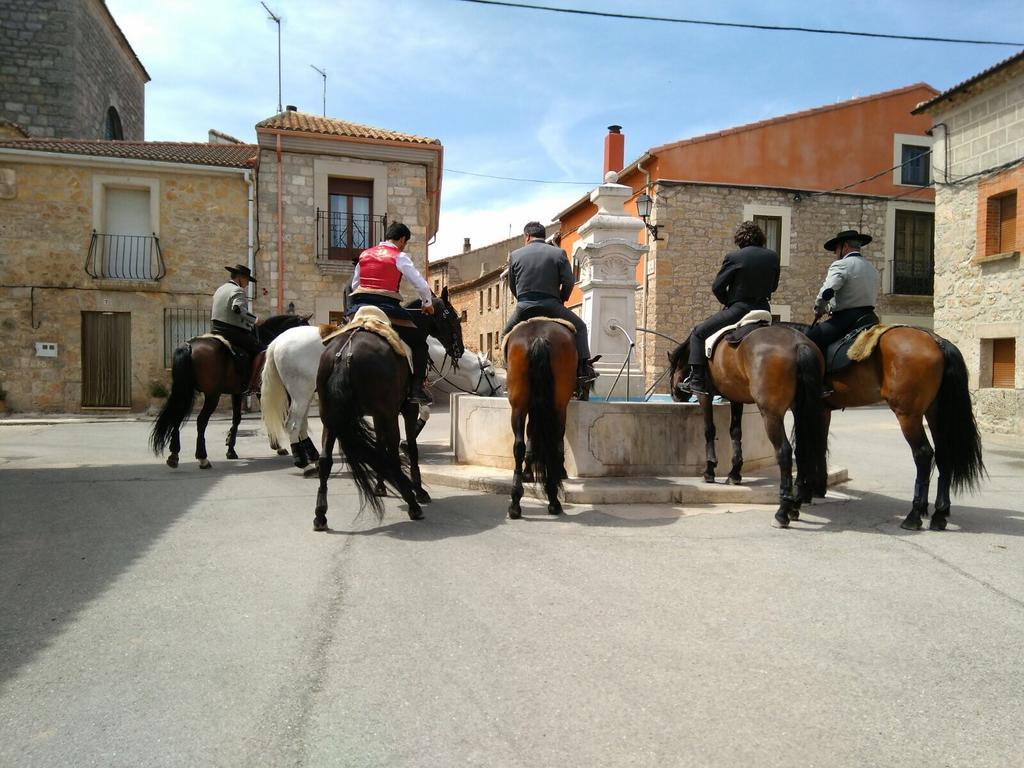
(912, 279)
(346, 235)
(125, 257)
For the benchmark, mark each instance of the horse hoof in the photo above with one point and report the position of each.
(320, 525)
(938, 523)
(172, 461)
(528, 476)
(282, 452)
(404, 447)
(730, 480)
(231, 454)
(205, 464)
(709, 478)
(781, 520)
(415, 513)
(911, 524)
(423, 497)
(794, 514)
(554, 509)
(301, 464)
(311, 471)
(514, 513)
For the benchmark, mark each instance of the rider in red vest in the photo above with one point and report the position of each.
(376, 281)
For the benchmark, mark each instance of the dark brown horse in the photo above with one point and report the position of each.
(541, 361)
(779, 369)
(205, 365)
(921, 376)
(360, 376)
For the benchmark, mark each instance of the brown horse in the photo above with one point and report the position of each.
(780, 370)
(541, 361)
(207, 366)
(921, 376)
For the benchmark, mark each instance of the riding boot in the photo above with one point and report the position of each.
(417, 391)
(696, 382)
(585, 373)
(420, 357)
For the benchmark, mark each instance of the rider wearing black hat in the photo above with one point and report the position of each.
(231, 317)
(849, 292)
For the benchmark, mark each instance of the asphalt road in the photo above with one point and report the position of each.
(151, 617)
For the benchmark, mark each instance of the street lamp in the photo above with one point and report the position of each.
(644, 203)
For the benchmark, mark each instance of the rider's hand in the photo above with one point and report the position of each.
(428, 309)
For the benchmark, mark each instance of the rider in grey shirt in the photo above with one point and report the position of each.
(849, 291)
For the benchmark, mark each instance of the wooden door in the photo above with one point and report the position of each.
(106, 359)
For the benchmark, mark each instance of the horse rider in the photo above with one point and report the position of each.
(849, 291)
(376, 280)
(541, 280)
(745, 282)
(231, 318)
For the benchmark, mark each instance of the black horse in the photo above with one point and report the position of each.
(362, 376)
(206, 365)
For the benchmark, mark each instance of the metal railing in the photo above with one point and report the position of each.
(912, 280)
(180, 325)
(125, 257)
(627, 367)
(346, 235)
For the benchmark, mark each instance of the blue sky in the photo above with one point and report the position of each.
(529, 94)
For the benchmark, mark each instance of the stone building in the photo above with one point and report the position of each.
(327, 190)
(111, 252)
(861, 163)
(67, 71)
(979, 206)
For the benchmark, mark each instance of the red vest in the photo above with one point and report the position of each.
(378, 268)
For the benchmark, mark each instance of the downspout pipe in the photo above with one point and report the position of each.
(280, 229)
(647, 236)
(250, 252)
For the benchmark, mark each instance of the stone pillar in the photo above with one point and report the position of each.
(607, 254)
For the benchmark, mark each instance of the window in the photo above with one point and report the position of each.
(774, 221)
(490, 342)
(481, 345)
(481, 302)
(437, 287)
(180, 325)
(124, 248)
(1003, 363)
(915, 161)
(112, 126)
(913, 262)
(488, 302)
(350, 217)
(1001, 224)
(463, 316)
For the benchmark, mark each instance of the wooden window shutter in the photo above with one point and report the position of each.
(1008, 223)
(1003, 363)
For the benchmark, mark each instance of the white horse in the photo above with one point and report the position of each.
(289, 383)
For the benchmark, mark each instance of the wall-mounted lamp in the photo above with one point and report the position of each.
(644, 203)
(291, 307)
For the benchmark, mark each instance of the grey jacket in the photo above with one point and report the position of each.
(231, 306)
(539, 270)
(855, 282)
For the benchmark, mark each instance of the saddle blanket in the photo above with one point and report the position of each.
(517, 326)
(216, 337)
(754, 316)
(374, 320)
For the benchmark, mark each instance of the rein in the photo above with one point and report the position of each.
(442, 377)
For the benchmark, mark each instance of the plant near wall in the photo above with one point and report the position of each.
(158, 390)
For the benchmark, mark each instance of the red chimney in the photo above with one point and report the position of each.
(614, 149)
(465, 245)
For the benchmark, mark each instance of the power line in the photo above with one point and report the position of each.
(915, 158)
(513, 178)
(765, 27)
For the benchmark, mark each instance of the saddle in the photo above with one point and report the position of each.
(538, 319)
(374, 320)
(249, 369)
(754, 319)
(838, 355)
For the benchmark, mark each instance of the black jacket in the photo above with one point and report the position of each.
(538, 268)
(749, 274)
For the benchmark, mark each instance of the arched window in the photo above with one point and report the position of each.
(112, 129)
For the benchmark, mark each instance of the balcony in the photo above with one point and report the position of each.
(912, 279)
(341, 237)
(125, 257)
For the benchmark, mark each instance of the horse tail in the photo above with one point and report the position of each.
(366, 458)
(274, 400)
(809, 421)
(957, 441)
(542, 425)
(179, 404)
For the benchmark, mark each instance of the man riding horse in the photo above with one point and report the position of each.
(376, 281)
(747, 279)
(849, 291)
(541, 280)
(231, 318)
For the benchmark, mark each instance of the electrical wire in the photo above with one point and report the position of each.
(513, 178)
(762, 27)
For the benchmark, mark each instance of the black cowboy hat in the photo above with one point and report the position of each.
(241, 269)
(847, 234)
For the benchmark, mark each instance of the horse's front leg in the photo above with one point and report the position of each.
(209, 406)
(710, 456)
(789, 505)
(736, 435)
(236, 419)
(324, 465)
(411, 415)
(515, 511)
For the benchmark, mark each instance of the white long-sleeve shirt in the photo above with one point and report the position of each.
(409, 272)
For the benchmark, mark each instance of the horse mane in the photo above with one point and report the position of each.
(681, 352)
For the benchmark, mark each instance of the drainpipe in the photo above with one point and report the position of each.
(250, 254)
(280, 230)
(647, 235)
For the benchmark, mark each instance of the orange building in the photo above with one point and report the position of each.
(862, 163)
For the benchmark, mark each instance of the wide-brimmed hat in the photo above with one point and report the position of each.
(847, 234)
(241, 269)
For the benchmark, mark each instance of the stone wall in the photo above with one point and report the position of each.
(984, 131)
(312, 286)
(698, 222)
(62, 65)
(491, 319)
(45, 230)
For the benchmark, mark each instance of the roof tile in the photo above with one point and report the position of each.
(190, 153)
(302, 122)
